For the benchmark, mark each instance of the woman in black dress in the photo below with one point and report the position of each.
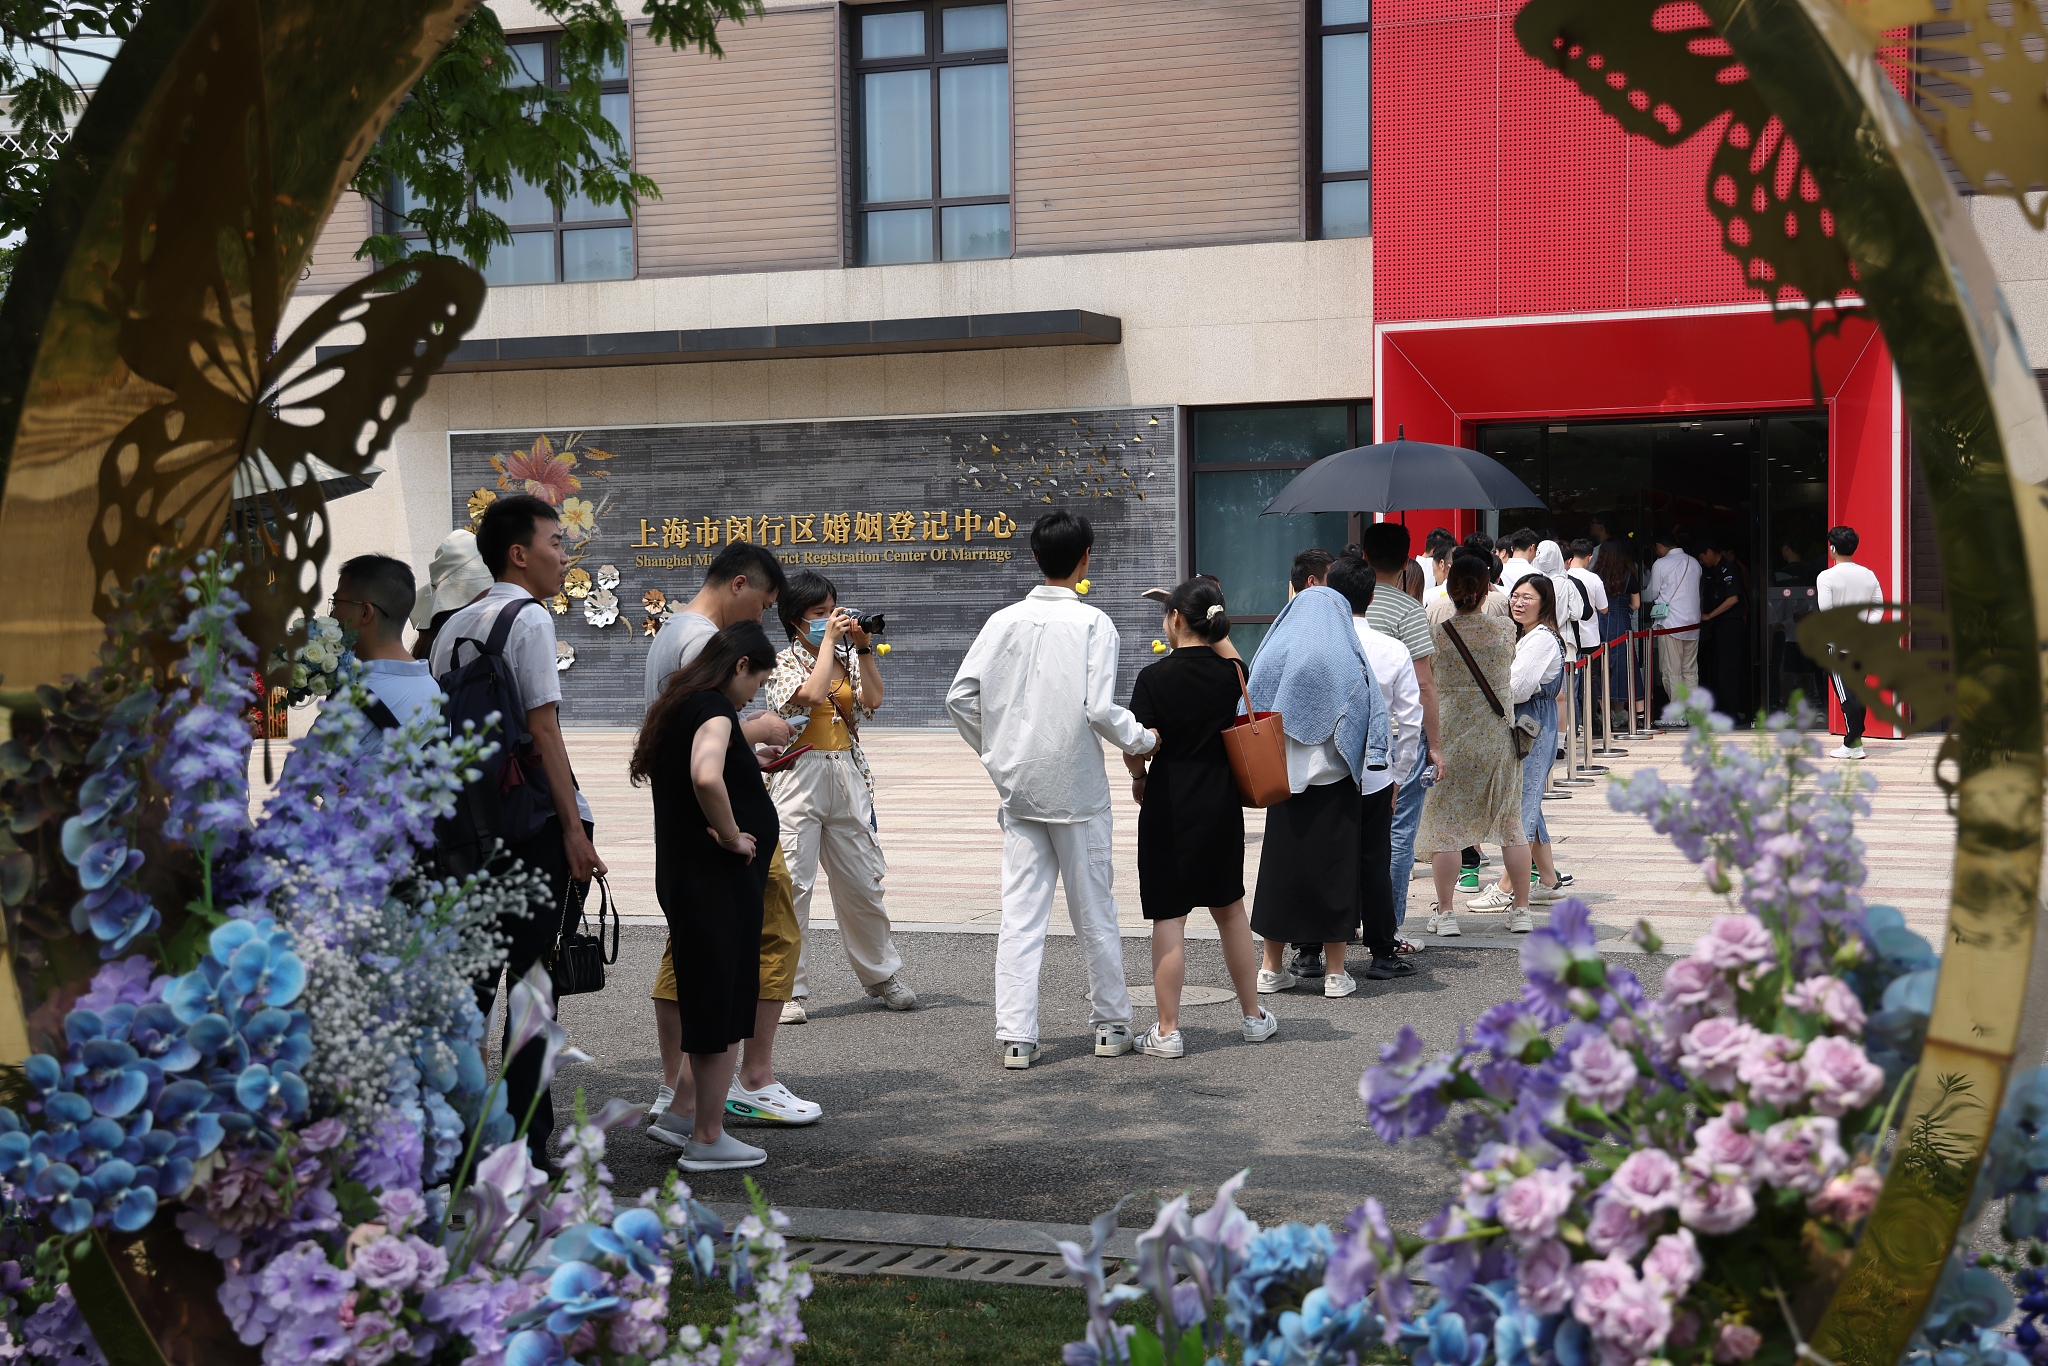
(1191, 820)
(714, 830)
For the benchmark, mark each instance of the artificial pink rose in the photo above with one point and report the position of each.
(1716, 1205)
(1637, 1320)
(1602, 1073)
(433, 1262)
(1801, 1154)
(1695, 984)
(1736, 1342)
(1830, 999)
(1599, 1285)
(1721, 1149)
(403, 1209)
(1734, 942)
(1543, 1277)
(1646, 1181)
(1713, 1049)
(1849, 1197)
(376, 1340)
(1616, 1230)
(1770, 1068)
(1674, 1263)
(386, 1264)
(1532, 1205)
(1840, 1077)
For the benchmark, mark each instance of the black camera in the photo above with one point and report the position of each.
(874, 625)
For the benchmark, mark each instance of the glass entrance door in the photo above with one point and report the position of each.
(1748, 490)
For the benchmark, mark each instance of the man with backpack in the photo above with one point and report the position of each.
(498, 655)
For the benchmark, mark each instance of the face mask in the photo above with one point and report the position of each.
(815, 633)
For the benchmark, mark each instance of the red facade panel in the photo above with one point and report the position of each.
(1499, 189)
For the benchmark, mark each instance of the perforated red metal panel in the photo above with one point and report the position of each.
(1500, 189)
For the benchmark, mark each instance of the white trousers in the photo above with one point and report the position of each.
(1036, 853)
(824, 807)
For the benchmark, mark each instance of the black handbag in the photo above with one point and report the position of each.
(580, 960)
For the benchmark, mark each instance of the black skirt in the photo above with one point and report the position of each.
(1190, 839)
(1309, 867)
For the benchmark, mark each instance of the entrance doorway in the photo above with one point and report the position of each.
(1751, 488)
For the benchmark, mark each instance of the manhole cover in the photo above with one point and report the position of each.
(953, 1264)
(1189, 996)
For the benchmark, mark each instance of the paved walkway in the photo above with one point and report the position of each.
(938, 821)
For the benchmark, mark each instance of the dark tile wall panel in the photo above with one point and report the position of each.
(905, 474)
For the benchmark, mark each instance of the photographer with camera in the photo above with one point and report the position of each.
(827, 682)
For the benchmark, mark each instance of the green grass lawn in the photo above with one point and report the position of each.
(872, 1320)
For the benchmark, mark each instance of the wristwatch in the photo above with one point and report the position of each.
(865, 650)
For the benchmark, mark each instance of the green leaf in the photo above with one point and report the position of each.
(1189, 1351)
(355, 1203)
(1146, 1349)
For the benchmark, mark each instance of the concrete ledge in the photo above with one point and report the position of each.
(872, 337)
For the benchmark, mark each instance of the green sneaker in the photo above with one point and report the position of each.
(1468, 882)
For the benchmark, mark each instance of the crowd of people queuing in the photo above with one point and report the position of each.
(1418, 700)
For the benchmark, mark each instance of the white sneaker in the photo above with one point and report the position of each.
(728, 1154)
(894, 995)
(661, 1103)
(1157, 1045)
(1261, 1027)
(1519, 921)
(1491, 900)
(1019, 1055)
(1846, 752)
(793, 1012)
(1113, 1040)
(1339, 984)
(1544, 896)
(772, 1104)
(672, 1129)
(1444, 925)
(1270, 982)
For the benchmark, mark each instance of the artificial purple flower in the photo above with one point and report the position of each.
(1616, 1229)
(1712, 1050)
(1716, 1204)
(1801, 1154)
(1770, 1069)
(1404, 1095)
(375, 1340)
(1637, 1321)
(1647, 1181)
(1549, 954)
(322, 1135)
(1600, 1285)
(1693, 984)
(1543, 1277)
(1733, 943)
(1721, 1149)
(312, 1337)
(302, 1281)
(1532, 1205)
(1830, 1000)
(1600, 1072)
(402, 1209)
(431, 1260)
(1840, 1076)
(1675, 1263)
(1735, 1342)
(125, 981)
(385, 1264)
(1507, 1029)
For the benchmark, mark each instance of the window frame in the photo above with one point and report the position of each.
(1358, 417)
(1316, 176)
(552, 77)
(932, 60)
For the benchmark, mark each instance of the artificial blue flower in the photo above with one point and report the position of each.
(578, 1291)
(273, 1092)
(106, 860)
(181, 1111)
(273, 975)
(43, 1072)
(111, 1075)
(531, 1348)
(157, 1034)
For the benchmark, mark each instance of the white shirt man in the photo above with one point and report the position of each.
(1393, 668)
(1035, 697)
(1596, 593)
(1845, 583)
(1675, 582)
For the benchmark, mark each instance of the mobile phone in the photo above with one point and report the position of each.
(789, 757)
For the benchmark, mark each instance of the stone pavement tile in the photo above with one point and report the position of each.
(938, 824)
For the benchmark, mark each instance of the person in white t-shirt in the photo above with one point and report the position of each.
(1518, 557)
(1579, 564)
(1845, 583)
(372, 595)
(1675, 586)
(520, 539)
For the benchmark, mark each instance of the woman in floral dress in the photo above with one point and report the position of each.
(1477, 798)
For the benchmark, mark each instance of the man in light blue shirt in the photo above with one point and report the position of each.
(373, 595)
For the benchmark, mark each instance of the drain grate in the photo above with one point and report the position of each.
(953, 1264)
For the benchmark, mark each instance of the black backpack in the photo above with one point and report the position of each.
(1585, 612)
(510, 799)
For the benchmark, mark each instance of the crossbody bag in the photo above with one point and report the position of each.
(1524, 737)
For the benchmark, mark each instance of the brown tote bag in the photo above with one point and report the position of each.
(1258, 754)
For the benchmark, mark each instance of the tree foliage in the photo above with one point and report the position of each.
(476, 123)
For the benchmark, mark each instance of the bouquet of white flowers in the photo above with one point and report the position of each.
(322, 663)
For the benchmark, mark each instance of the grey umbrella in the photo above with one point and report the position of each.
(1400, 474)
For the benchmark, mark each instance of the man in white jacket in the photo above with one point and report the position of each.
(1035, 690)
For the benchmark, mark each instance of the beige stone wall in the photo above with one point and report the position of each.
(2019, 255)
(1263, 323)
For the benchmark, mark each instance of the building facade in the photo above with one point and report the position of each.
(919, 270)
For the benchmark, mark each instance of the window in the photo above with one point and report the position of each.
(1341, 159)
(582, 240)
(932, 89)
(1240, 459)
